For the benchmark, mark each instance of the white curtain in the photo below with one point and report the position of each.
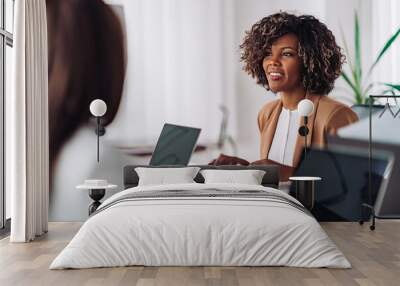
(27, 157)
(181, 67)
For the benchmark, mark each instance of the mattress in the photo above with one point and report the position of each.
(201, 225)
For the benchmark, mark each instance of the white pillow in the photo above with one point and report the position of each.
(162, 176)
(248, 177)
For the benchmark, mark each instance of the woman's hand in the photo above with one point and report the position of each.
(263, 162)
(229, 160)
(284, 171)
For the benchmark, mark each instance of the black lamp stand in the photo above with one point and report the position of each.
(303, 131)
(100, 131)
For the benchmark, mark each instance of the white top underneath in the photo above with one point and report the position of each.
(305, 178)
(284, 142)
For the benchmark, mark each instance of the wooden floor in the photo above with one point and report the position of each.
(375, 257)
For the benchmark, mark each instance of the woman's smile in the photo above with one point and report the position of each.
(275, 75)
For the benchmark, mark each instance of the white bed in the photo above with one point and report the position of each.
(251, 225)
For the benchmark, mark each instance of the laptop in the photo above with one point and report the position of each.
(387, 204)
(344, 186)
(175, 145)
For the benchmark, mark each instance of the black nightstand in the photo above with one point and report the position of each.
(305, 190)
(97, 190)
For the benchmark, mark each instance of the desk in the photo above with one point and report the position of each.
(147, 150)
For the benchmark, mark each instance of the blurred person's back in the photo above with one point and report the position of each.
(86, 61)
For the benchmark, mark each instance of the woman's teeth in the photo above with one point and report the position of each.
(275, 75)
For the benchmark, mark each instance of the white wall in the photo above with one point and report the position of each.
(180, 68)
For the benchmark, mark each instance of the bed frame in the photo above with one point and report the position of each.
(270, 179)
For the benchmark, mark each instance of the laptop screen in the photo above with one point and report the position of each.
(175, 145)
(344, 185)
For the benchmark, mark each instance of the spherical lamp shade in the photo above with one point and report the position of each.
(305, 107)
(98, 107)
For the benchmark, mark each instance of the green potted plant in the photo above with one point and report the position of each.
(360, 86)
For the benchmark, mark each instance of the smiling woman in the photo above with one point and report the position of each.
(297, 57)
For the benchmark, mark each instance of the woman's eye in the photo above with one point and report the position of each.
(287, 54)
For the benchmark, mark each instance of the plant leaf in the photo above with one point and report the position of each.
(346, 50)
(355, 80)
(368, 88)
(357, 51)
(347, 79)
(388, 91)
(357, 93)
(384, 49)
(393, 86)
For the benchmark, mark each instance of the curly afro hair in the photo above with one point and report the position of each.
(321, 57)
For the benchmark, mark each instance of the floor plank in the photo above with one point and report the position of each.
(374, 255)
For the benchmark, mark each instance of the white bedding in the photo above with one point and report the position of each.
(200, 231)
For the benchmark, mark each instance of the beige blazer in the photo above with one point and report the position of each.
(329, 115)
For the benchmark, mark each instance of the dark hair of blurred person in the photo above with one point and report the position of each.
(86, 61)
